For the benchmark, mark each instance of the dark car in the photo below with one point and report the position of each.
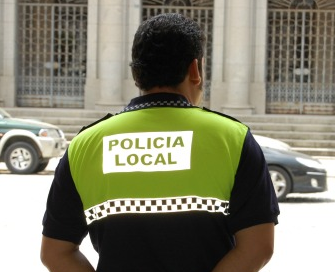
(292, 172)
(27, 145)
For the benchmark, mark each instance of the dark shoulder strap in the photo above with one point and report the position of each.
(108, 115)
(222, 114)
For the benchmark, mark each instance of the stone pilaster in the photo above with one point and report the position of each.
(7, 54)
(132, 21)
(238, 49)
(105, 53)
(217, 94)
(258, 84)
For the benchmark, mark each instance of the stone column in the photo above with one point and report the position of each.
(238, 42)
(217, 85)
(92, 86)
(258, 86)
(7, 53)
(105, 54)
(133, 18)
(1, 50)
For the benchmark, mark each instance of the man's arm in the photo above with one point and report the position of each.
(254, 248)
(62, 256)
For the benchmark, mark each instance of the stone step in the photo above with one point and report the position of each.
(313, 135)
(329, 128)
(287, 119)
(303, 144)
(248, 119)
(68, 122)
(316, 152)
(60, 113)
(297, 135)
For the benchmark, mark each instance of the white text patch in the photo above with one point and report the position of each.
(147, 151)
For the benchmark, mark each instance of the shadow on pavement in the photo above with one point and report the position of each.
(310, 199)
(43, 173)
(47, 172)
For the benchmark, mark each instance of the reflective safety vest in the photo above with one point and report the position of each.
(157, 160)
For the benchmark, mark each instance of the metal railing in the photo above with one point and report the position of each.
(301, 61)
(52, 42)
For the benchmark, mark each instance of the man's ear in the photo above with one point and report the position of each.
(194, 74)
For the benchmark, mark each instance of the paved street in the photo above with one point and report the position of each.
(305, 239)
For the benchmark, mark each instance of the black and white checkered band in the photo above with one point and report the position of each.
(156, 205)
(173, 103)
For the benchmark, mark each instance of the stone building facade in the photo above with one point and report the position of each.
(262, 56)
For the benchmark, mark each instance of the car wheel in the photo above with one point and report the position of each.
(42, 165)
(281, 182)
(21, 158)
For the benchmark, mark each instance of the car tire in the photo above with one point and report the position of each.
(282, 182)
(21, 158)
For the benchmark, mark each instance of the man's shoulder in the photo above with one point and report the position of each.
(222, 115)
(219, 119)
(107, 116)
(88, 131)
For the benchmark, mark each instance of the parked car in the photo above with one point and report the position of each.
(272, 143)
(26, 146)
(292, 172)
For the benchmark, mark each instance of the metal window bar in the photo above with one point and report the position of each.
(310, 46)
(51, 54)
(301, 64)
(332, 49)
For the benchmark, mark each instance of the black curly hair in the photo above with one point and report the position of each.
(163, 48)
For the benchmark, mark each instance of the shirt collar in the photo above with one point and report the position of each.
(158, 100)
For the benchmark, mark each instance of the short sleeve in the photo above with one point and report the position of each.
(253, 199)
(64, 217)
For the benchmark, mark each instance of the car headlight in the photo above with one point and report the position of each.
(310, 163)
(53, 133)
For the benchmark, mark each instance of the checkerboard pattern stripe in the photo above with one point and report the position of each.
(156, 205)
(159, 104)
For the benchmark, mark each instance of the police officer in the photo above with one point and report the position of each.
(164, 185)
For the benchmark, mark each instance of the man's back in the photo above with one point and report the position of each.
(158, 192)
